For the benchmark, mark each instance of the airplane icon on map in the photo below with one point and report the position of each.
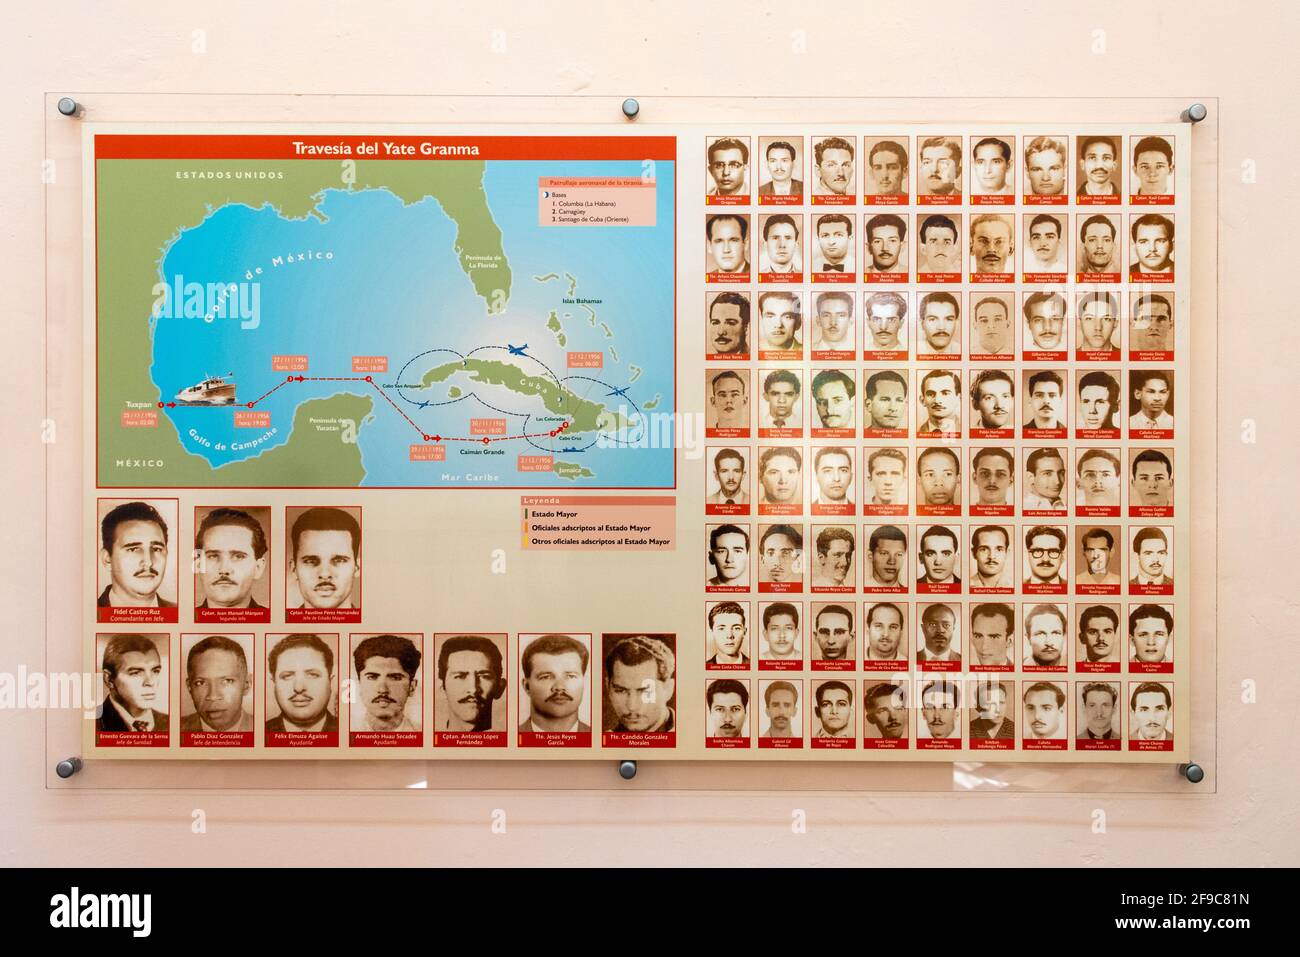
(517, 350)
(620, 392)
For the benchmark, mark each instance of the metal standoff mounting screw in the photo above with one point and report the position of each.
(627, 770)
(69, 107)
(67, 767)
(1194, 114)
(1193, 772)
(631, 108)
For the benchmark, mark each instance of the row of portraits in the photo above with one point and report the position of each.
(885, 635)
(308, 689)
(932, 325)
(1054, 559)
(1042, 247)
(936, 405)
(995, 247)
(979, 713)
(982, 169)
(232, 554)
(783, 479)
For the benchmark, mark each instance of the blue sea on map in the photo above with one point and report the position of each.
(394, 287)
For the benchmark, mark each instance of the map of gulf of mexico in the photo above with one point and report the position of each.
(439, 267)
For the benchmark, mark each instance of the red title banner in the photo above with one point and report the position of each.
(275, 146)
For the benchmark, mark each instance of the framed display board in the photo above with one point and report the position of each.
(822, 444)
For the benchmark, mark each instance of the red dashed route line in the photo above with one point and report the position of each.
(485, 440)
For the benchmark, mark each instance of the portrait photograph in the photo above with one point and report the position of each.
(992, 481)
(1099, 716)
(1151, 403)
(833, 479)
(1151, 715)
(1100, 172)
(834, 172)
(232, 558)
(1045, 631)
(780, 325)
(1099, 248)
(639, 690)
(780, 170)
(886, 168)
(555, 689)
(727, 565)
(885, 644)
(834, 636)
(1047, 170)
(834, 559)
(134, 704)
(1098, 562)
(992, 714)
(727, 480)
(1100, 645)
(993, 170)
(302, 690)
(470, 704)
(387, 698)
(781, 243)
(1151, 247)
(833, 326)
(726, 712)
(781, 643)
(1150, 474)
(885, 247)
(831, 247)
(780, 480)
(833, 713)
(136, 575)
(726, 326)
(726, 642)
(322, 564)
(1046, 247)
(992, 321)
(992, 248)
(726, 410)
(885, 321)
(1151, 173)
(728, 170)
(939, 170)
(1045, 566)
(940, 724)
(1151, 327)
(939, 247)
(726, 247)
(886, 715)
(781, 720)
(1044, 715)
(887, 562)
(780, 404)
(217, 689)
(1098, 326)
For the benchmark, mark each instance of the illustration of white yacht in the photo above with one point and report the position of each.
(213, 390)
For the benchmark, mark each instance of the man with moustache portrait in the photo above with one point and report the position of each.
(471, 674)
(555, 682)
(386, 668)
(301, 667)
(230, 552)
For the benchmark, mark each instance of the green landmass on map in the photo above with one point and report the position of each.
(571, 471)
(584, 415)
(142, 206)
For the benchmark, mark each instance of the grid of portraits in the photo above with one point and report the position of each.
(939, 398)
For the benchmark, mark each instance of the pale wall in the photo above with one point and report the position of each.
(1241, 53)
